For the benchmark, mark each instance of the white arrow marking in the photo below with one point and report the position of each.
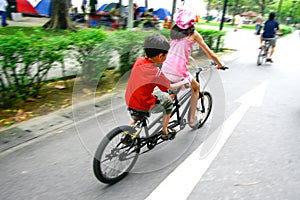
(181, 182)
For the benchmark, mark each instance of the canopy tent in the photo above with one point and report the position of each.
(44, 8)
(23, 6)
(130, 11)
(111, 6)
(106, 8)
(162, 13)
(102, 7)
(141, 10)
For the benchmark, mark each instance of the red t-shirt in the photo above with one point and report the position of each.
(145, 76)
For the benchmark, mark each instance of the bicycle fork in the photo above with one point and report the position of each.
(202, 102)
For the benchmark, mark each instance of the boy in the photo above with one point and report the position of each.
(145, 77)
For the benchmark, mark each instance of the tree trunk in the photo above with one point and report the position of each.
(208, 10)
(60, 18)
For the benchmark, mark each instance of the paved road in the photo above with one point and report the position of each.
(260, 160)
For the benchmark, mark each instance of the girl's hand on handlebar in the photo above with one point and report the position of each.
(223, 67)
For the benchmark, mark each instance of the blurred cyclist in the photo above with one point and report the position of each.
(271, 28)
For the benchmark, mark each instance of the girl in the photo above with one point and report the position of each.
(175, 67)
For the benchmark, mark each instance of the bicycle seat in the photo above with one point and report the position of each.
(138, 114)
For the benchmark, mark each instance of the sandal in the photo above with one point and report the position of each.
(195, 124)
(168, 136)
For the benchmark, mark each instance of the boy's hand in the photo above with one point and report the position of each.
(185, 81)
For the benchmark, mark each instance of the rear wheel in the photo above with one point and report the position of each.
(116, 155)
(203, 110)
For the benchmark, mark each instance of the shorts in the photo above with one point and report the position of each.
(272, 41)
(165, 103)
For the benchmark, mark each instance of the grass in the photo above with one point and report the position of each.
(28, 30)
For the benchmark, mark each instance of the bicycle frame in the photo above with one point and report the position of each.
(151, 137)
(264, 51)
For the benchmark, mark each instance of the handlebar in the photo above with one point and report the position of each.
(224, 67)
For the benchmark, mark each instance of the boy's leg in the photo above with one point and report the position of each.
(194, 99)
(132, 122)
(273, 44)
(166, 119)
(165, 105)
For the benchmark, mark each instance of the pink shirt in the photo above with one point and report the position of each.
(175, 67)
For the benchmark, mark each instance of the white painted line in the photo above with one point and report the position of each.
(181, 182)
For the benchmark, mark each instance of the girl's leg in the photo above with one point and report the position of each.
(194, 99)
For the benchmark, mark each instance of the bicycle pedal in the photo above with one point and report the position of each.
(127, 140)
(183, 123)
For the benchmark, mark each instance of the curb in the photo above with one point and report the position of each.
(34, 128)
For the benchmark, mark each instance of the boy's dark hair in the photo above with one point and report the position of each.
(178, 33)
(272, 16)
(156, 44)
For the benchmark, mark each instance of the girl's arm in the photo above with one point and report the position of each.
(198, 38)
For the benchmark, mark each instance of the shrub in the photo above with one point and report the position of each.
(213, 38)
(91, 58)
(25, 62)
(125, 46)
(286, 30)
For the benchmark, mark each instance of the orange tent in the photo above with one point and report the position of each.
(249, 14)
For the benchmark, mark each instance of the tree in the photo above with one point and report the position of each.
(60, 18)
(208, 10)
(291, 9)
(263, 4)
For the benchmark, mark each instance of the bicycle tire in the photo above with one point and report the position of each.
(111, 155)
(204, 107)
(261, 56)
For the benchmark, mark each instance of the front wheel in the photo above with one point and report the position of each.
(261, 56)
(116, 155)
(203, 110)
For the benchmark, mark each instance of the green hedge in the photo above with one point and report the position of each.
(213, 38)
(27, 57)
(286, 30)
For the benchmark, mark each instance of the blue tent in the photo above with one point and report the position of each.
(44, 8)
(109, 7)
(102, 7)
(141, 9)
(162, 13)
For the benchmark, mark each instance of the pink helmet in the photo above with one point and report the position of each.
(184, 18)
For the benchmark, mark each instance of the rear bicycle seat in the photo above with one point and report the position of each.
(138, 114)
